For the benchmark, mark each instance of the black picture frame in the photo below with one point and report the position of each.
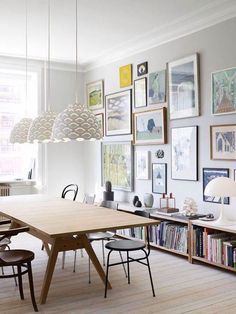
(159, 178)
(142, 68)
(140, 93)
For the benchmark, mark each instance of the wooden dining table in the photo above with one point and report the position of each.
(62, 225)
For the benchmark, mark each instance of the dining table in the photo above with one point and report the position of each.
(63, 225)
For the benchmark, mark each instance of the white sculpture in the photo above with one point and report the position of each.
(190, 206)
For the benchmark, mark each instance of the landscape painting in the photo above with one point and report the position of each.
(95, 95)
(157, 87)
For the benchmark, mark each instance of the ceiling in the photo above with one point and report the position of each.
(108, 29)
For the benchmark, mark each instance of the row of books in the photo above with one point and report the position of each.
(215, 246)
(135, 232)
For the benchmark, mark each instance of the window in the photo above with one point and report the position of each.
(16, 160)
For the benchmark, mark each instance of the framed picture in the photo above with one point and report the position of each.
(150, 127)
(142, 165)
(140, 92)
(142, 68)
(223, 141)
(159, 178)
(157, 87)
(100, 119)
(118, 113)
(95, 95)
(184, 153)
(234, 174)
(208, 175)
(126, 75)
(183, 77)
(223, 91)
(117, 165)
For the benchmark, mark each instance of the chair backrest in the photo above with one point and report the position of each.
(109, 204)
(89, 198)
(71, 188)
(147, 215)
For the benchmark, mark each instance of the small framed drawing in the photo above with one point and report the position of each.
(183, 88)
(223, 141)
(223, 91)
(142, 68)
(140, 92)
(184, 153)
(142, 165)
(117, 165)
(208, 175)
(157, 87)
(159, 178)
(126, 75)
(95, 95)
(118, 113)
(150, 127)
(100, 119)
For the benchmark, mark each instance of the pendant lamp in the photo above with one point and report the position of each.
(19, 133)
(76, 122)
(41, 127)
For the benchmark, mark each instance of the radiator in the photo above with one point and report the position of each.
(4, 189)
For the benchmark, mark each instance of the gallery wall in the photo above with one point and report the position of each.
(217, 50)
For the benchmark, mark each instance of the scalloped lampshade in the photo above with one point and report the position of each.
(76, 123)
(19, 133)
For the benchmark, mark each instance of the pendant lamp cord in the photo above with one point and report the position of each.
(26, 56)
(49, 58)
(76, 52)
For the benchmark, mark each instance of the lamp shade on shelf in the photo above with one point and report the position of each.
(19, 133)
(221, 187)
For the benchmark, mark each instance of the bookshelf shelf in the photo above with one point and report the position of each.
(168, 250)
(205, 261)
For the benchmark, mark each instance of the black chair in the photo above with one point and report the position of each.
(20, 259)
(130, 246)
(71, 189)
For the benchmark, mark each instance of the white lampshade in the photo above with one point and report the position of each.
(20, 131)
(221, 187)
(76, 123)
(41, 128)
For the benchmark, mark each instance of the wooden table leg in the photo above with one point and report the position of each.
(94, 259)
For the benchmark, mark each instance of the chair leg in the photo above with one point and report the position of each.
(89, 264)
(121, 257)
(63, 259)
(75, 260)
(81, 253)
(150, 275)
(31, 284)
(13, 270)
(128, 267)
(20, 282)
(103, 253)
(2, 270)
(42, 247)
(108, 259)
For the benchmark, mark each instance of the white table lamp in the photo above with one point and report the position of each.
(221, 187)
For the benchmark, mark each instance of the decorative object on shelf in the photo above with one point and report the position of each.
(159, 178)
(95, 95)
(118, 113)
(183, 88)
(223, 141)
(190, 206)
(108, 195)
(210, 174)
(117, 165)
(221, 187)
(167, 204)
(100, 119)
(223, 91)
(142, 164)
(157, 87)
(136, 201)
(126, 75)
(184, 157)
(148, 200)
(142, 68)
(140, 93)
(150, 127)
(159, 153)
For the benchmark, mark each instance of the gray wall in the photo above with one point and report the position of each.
(217, 49)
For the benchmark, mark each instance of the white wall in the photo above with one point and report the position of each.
(217, 49)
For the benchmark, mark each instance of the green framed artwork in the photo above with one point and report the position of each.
(117, 165)
(223, 91)
(157, 87)
(95, 95)
(100, 119)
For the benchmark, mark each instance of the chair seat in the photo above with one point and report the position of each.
(125, 245)
(15, 257)
(100, 236)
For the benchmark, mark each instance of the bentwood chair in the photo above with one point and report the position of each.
(130, 246)
(21, 259)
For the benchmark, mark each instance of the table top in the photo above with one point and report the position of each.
(59, 217)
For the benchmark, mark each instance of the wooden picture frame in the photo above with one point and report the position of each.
(140, 92)
(142, 164)
(95, 95)
(100, 118)
(126, 77)
(223, 141)
(159, 178)
(150, 127)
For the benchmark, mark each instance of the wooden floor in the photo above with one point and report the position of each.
(180, 287)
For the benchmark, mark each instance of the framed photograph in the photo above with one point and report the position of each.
(157, 87)
(118, 113)
(184, 153)
(140, 92)
(223, 141)
(150, 127)
(142, 68)
(100, 119)
(142, 165)
(208, 175)
(126, 75)
(117, 165)
(223, 91)
(159, 178)
(183, 78)
(95, 95)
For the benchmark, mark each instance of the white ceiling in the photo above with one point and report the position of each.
(108, 29)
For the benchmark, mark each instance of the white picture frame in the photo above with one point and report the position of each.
(142, 165)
